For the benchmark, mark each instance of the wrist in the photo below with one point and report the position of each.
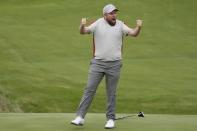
(82, 25)
(139, 26)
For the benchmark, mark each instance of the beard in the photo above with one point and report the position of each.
(111, 22)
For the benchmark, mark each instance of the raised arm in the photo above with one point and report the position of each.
(135, 31)
(82, 28)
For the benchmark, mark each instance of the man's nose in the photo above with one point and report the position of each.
(114, 16)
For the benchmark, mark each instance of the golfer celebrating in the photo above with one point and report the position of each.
(108, 35)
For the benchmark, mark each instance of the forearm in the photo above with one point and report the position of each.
(82, 29)
(136, 31)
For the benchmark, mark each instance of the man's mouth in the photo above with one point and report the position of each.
(112, 22)
(113, 19)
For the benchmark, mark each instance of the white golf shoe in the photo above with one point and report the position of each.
(78, 121)
(110, 124)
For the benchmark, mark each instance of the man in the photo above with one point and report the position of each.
(107, 33)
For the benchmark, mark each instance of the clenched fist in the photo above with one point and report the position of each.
(83, 21)
(139, 23)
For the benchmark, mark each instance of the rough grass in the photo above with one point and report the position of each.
(44, 59)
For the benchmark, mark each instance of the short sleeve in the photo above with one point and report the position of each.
(126, 29)
(92, 27)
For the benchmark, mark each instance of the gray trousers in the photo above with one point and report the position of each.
(98, 69)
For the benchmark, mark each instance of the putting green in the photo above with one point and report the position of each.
(95, 122)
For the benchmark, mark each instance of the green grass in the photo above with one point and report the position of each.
(94, 122)
(44, 59)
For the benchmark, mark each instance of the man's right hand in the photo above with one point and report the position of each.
(83, 29)
(83, 21)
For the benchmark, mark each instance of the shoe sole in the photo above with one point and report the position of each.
(76, 124)
(109, 127)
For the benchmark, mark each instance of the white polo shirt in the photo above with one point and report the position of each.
(108, 39)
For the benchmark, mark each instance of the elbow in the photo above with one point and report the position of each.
(135, 35)
(81, 32)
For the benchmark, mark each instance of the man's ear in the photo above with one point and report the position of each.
(104, 16)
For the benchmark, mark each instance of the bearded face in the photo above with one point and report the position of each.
(111, 17)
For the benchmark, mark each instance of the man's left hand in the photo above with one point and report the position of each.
(139, 23)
